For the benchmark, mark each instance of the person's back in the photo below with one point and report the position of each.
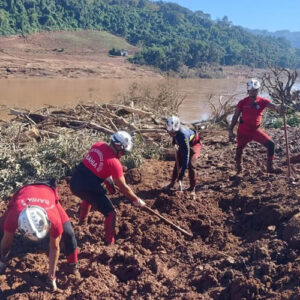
(35, 209)
(102, 161)
(185, 135)
(34, 195)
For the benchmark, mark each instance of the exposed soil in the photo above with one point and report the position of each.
(245, 245)
(78, 55)
(65, 54)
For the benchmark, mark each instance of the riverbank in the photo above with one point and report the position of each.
(67, 68)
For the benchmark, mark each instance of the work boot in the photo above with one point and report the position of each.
(83, 221)
(191, 189)
(271, 169)
(72, 268)
(238, 167)
(238, 161)
(109, 228)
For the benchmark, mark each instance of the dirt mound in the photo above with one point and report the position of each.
(245, 241)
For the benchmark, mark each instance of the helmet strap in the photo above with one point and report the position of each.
(117, 152)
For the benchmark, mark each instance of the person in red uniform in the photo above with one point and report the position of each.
(35, 210)
(250, 111)
(102, 165)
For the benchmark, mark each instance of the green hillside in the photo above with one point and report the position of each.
(96, 40)
(169, 35)
(293, 37)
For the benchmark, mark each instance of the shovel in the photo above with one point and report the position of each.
(167, 221)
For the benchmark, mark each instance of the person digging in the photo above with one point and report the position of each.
(249, 111)
(187, 149)
(102, 165)
(35, 210)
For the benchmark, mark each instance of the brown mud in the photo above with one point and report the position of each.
(245, 245)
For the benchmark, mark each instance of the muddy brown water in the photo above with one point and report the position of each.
(36, 92)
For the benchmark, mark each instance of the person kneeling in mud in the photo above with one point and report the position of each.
(100, 164)
(187, 151)
(35, 210)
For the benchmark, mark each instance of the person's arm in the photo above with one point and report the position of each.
(277, 108)
(234, 120)
(53, 256)
(6, 244)
(127, 191)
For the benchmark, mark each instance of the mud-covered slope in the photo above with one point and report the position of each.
(245, 245)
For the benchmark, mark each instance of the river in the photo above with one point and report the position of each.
(36, 92)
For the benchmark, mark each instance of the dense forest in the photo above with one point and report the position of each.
(293, 37)
(168, 35)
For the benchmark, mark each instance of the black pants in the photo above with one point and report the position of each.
(68, 238)
(87, 186)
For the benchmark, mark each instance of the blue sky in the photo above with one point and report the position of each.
(271, 15)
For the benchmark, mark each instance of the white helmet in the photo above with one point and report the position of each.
(253, 84)
(122, 141)
(34, 223)
(173, 124)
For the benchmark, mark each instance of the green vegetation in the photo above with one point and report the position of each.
(169, 35)
(101, 40)
(31, 160)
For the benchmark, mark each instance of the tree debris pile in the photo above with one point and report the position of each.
(245, 245)
(53, 140)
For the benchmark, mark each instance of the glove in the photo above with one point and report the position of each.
(139, 203)
(109, 183)
(2, 266)
(51, 284)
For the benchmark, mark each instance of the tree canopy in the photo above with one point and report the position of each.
(171, 36)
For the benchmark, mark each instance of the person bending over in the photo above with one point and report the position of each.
(102, 165)
(188, 146)
(35, 210)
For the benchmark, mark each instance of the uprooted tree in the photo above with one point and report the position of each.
(219, 113)
(279, 84)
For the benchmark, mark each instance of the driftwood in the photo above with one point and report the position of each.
(221, 112)
(130, 109)
(107, 118)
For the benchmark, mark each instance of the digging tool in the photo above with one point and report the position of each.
(167, 221)
(286, 143)
(177, 167)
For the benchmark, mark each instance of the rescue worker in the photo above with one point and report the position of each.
(250, 111)
(188, 146)
(102, 165)
(36, 211)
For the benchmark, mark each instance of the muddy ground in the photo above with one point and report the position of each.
(245, 245)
